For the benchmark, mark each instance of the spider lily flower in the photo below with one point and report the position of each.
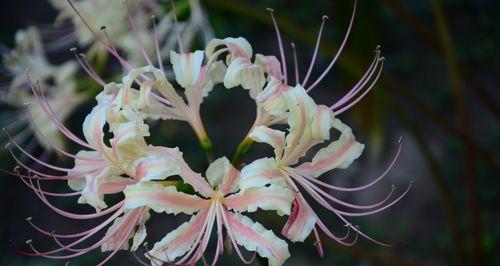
(57, 81)
(309, 125)
(111, 14)
(126, 36)
(219, 205)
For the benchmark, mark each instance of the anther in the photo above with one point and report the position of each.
(103, 27)
(81, 55)
(270, 9)
(292, 44)
(393, 187)
(72, 49)
(29, 219)
(325, 17)
(400, 139)
(29, 241)
(381, 59)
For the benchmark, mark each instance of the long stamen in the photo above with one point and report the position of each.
(334, 60)
(80, 58)
(343, 109)
(316, 49)
(138, 40)
(177, 29)
(98, 38)
(361, 83)
(295, 64)
(280, 45)
(157, 43)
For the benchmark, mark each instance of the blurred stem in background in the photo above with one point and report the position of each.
(469, 154)
(439, 180)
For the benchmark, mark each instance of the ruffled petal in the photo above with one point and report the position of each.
(271, 64)
(179, 241)
(260, 173)
(302, 110)
(162, 199)
(254, 237)
(239, 47)
(158, 166)
(186, 67)
(272, 99)
(242, 72)
(273, 137)
(339, 154)
(273, 198)
(222, 174)
(121, 229)
(162, 154)
(301, 222)
(93, 128)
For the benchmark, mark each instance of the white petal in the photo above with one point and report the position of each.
(273, 137)
(275, 198)
(254, 237)
(187, 67)
(162, 199)
(260, 173)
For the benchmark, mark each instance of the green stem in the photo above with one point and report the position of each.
(242, 149)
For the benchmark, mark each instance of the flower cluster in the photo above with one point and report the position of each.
(124, 24)
(122, 162)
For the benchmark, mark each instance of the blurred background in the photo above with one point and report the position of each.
(439, 92)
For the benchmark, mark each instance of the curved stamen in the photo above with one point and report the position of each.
(361, 83)
(342, 45)
(295, 64)
(280, 45)
(343, 109)
(315, 53)
(177, 30)
(138, 40)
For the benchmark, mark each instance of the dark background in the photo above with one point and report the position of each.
(439, 91)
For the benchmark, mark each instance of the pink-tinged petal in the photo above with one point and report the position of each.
(128, 142)
(271, 64)
(162, 199)
(242, 72)
(93, 127)
(186, 173)
(301, 112)
(179, 241)
(260, 173)
(238, 47)
(102, 182)
(187, 67)
(254, 237)
(339, 154)
(158, 166)
(301, 222)
(273, 137)
(272, 99)
(121, 229)
(222, 174)
(266, 198)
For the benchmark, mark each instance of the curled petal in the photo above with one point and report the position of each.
(179, 241)
(119, 230)
(187, 67)
(162, 199)
(260, 173)
(271, 64)
(301, 222)
(93, 126)
(266, 198)
(100, 183)
(242, 72)
(186, 173)
(271, 98)
(302, 110)
(158, 166)
(273, 137)
(254, 237)
(217, 71)
(239, 47)
(339, 154)
(222, 174)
